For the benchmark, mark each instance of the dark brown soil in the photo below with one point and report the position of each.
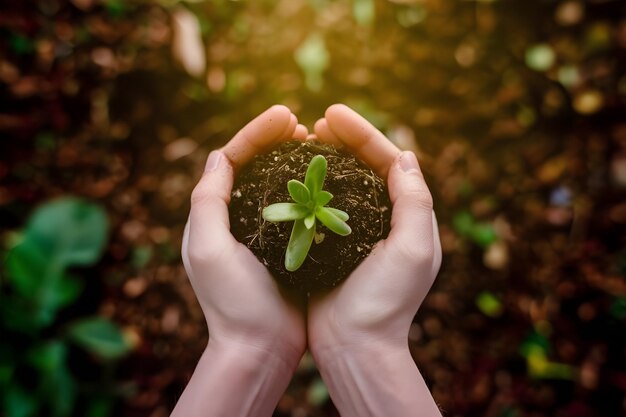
(357, 190)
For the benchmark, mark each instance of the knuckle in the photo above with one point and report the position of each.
(210, 188)
(199, 194)
(204, 255)
(414, 254)
(418, 198)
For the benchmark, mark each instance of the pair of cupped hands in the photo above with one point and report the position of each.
(244, 307)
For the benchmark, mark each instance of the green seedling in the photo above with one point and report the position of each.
(309, 206)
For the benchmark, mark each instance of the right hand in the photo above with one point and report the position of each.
(378, 301)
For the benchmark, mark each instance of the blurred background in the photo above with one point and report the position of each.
(517, 110)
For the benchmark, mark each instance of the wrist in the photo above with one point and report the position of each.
(234, 378)
(329, 337)
(364, 351)
(255, 353)
(382, 372)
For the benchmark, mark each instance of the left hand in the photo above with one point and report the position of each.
(242, 304)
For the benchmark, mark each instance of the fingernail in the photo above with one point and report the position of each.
(213, 162)
(408, 162)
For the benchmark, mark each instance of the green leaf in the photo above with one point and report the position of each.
(26, 265)
(298, 192)
(100, 337)
(56, 384)
(463, 223)
(489, 304)
(309, 220)
(7, 365)
(69, 231)
(19, 402)
(483, 234)
(323, 198)
(315, 175)
(59, 234)
(333, 222)
(48, 356)
(339, 213)
(62, 292)
(534, 340)
(539, 366)
(283, 212)
(59, 388)
(299, 244)
(40, 283)
(24, 316)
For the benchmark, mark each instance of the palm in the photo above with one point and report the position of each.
(240, 297)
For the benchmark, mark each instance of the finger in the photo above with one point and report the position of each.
(362, 138)
(324, 134)
(291, 128)
(259, 135)
(209, 226)
(312, 136)
(412, 216)
(437, 247)
(185, 248)
(300, 133)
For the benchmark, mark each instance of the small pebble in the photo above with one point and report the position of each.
(496, 256)
(319, 237)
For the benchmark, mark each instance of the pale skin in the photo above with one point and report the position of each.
(357, 333)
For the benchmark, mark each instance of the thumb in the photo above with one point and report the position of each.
(209, 226)
(411, 217)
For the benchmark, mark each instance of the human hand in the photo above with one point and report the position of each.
(365, 321)
(256, 335)
(241, 302)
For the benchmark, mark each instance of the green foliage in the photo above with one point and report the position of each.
(535, 349)
(59, 235)
(482, 234)
(313, 59)
(489, 304)
(70, 231)
(309, 205)
(100, 337)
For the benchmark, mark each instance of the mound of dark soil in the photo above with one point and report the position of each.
(357, 190)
